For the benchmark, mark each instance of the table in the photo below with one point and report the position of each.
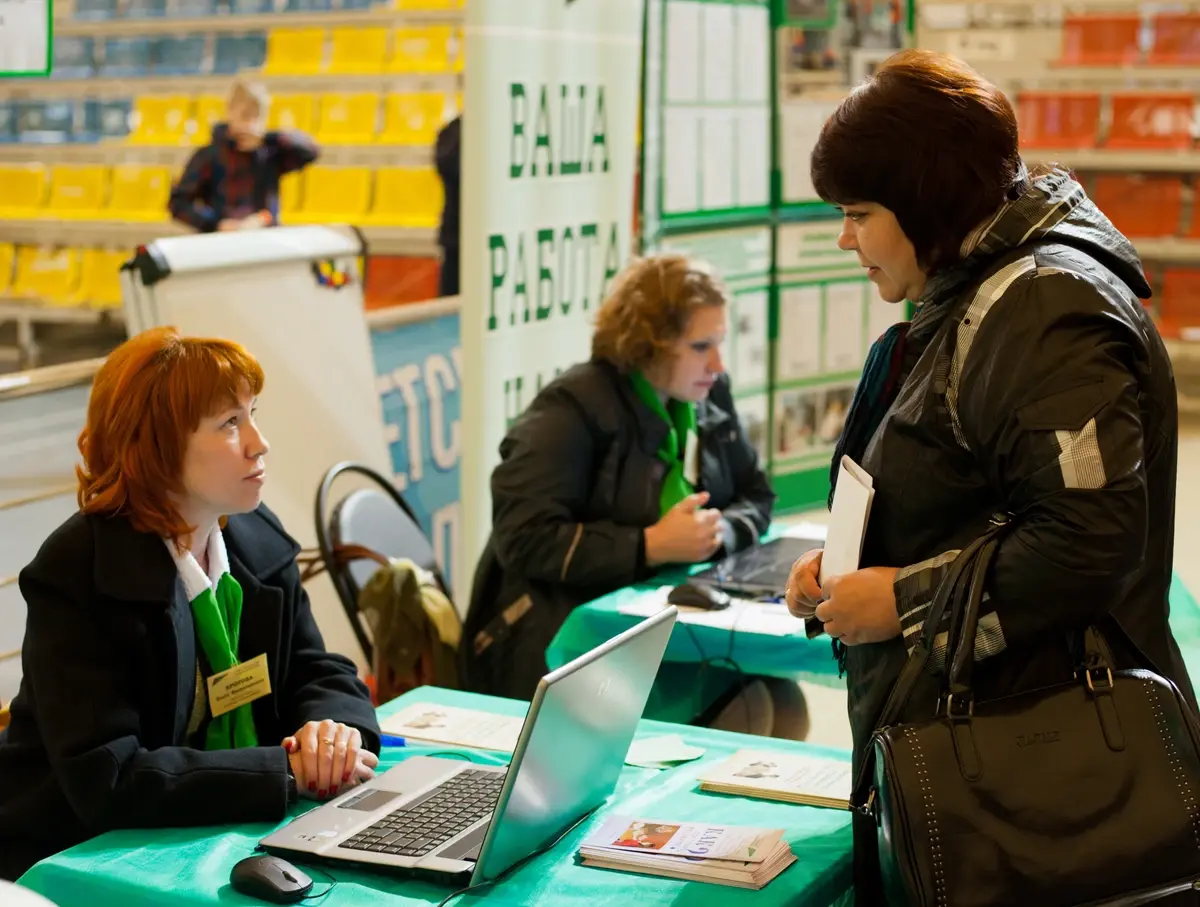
(138, 868)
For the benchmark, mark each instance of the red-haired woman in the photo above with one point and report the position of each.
(172, 572)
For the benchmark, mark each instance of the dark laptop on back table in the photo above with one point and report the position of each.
(461, 823)
(760, 571)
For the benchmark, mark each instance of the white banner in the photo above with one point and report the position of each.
(548, 168)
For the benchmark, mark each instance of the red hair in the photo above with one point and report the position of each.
(147, 400)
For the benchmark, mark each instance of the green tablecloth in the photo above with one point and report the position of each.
(190, 867)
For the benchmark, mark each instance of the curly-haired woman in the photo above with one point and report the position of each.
(626, 463)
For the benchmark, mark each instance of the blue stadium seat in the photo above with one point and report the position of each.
(309, 6)
(182, 56)
(126, 57)
(191, 9)
(145, 9)
(74, 58)
(45, 122)
(234, 53)
(105, 120)
(96, 9)
(251, 7)
(8, 121)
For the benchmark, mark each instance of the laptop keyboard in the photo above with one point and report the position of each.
(424, 825)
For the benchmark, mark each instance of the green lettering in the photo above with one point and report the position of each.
(543, 136)
(545, 291)
(521, 287)
(497, 250)
(517, 158)
(573, 134)
(612, 260)
(566, 261)
(599, 133)
(587, 232)
(512, 400)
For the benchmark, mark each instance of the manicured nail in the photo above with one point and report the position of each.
(321, 794)
(312, 786)
(345, 778)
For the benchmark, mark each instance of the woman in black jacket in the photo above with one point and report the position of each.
(172, 572)
(1031, 381)
(626, 463)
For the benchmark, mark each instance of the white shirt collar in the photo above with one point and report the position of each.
(194, 579)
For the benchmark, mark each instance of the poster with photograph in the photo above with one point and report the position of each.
(748, 360)
(809, 420)
(810, 13)
(753, 413)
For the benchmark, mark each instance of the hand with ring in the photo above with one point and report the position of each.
(327, 758)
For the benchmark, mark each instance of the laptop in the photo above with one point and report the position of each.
(459, 823)
(760, 571)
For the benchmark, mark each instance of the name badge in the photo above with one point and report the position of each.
(239, 685)
(691, 459)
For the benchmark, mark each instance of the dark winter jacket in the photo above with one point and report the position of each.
(578, 483)
(98, 739)
(1037, 385)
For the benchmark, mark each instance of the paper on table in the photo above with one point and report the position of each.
(805, 531)
(694, 840)
(662, 752)
(847, 520)
(718, 53)
(793, 777)
(683, 63)
(742, 616)
(461, 727)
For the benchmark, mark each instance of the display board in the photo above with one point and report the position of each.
(708, 111)
(548, 173)
(26, 37)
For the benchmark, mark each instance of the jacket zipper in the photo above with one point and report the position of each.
(898, 809)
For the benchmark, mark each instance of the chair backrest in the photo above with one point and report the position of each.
(377, 519)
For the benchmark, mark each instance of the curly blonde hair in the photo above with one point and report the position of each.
(648, 307)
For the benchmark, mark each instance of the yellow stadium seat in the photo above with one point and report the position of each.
(292, 111)
(347, 119)
(458, 50)
(357, 51)
(161, 120)
(406, 197)
(209, 110)
(8, 255)
(412, 118)
(48, 275)
(25, 187)
(335, 195)
(100, 278)
(139, 193)
(294, 52)
(77, 191)
(290, 194)
(424, 49)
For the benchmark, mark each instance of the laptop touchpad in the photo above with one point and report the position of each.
(467, 847)
(370, 800)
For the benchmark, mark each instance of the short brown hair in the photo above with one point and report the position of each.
(648, 307)
(255, 94)
(928, 138)
(147, 399)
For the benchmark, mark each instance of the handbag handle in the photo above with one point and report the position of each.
(960, 649)
(918, 660)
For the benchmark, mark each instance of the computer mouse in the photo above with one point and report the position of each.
(698, 595)
(270, 879)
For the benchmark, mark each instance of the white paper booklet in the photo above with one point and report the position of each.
(461, 727)
(847, 520)
(689, 840)
(742, 616)
(791, 777)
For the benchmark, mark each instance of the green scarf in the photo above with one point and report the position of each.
(681, 420)
(218, 624)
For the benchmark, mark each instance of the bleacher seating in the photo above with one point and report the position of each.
(342, 114)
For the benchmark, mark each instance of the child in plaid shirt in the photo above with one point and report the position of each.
(233, 183)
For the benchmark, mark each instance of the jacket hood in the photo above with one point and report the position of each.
(1051, 206)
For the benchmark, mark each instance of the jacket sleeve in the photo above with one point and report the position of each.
(87, 710)
(1060, 440)
(191, 197)
(293, 149)
(321, 684)
(539, 492)
(446, 151)
(749, 514)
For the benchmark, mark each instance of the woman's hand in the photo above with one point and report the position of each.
(803, 589)
(687, 533)
(860, 607)
(327, 758)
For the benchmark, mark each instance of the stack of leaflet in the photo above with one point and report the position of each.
(790, 777)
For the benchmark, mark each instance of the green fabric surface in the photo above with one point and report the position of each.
(190, 867)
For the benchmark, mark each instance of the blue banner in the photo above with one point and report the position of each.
(419, 374)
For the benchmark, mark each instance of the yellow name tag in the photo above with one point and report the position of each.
(242, 683)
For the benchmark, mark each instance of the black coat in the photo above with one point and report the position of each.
(578, 483)
(99, 727)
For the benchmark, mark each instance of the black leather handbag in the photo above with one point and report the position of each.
(1084, 793)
